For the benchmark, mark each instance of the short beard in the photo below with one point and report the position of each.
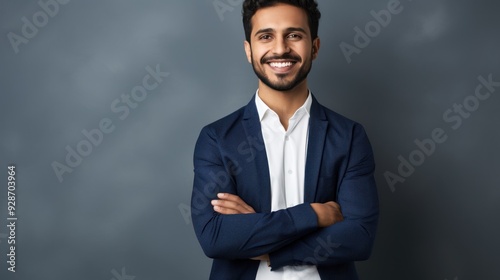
(282, 85)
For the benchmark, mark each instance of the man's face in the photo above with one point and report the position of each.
(281, 50)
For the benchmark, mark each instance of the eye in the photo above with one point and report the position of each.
(265, 37)
(294, 36)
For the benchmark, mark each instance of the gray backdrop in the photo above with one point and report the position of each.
(104, 164)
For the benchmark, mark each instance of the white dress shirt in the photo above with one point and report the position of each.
(286, 156)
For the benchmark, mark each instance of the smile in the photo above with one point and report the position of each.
(281, 66)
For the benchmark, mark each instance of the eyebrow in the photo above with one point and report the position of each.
(288, 30)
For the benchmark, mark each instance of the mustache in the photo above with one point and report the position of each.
(286, 56)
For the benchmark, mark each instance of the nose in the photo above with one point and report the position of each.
(280, 47)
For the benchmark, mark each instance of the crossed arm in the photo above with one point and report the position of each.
(229, 204)
(229, 228)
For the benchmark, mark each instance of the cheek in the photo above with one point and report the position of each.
(256, 57)
(305, 51)
(258, 54)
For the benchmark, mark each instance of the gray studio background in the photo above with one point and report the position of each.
(120, 213)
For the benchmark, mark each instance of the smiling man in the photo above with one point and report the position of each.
(284, 187)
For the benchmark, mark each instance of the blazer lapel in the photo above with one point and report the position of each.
(251, 124)
(317, 133)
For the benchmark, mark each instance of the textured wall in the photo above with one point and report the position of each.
(102, 102)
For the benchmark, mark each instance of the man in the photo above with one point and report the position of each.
(284, 187)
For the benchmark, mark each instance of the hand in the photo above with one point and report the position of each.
(328, 213)
(262, 258)
(231, 204)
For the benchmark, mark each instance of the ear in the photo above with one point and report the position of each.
(315, 47)
(248, 51)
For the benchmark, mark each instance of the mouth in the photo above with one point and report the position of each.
(281, 66)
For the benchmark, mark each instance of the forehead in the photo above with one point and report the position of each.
(279, 17)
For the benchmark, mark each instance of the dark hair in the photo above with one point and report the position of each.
(250, 7)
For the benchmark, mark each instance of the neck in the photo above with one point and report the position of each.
(284, 103)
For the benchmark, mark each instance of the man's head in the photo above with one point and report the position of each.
(281, 40)
(250, 7)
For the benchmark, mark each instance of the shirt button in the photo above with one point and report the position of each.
(290, 171)
(286, 138)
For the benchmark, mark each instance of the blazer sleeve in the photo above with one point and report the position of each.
(353, 238)
(239, 236)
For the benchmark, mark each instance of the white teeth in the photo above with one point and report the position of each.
(280, 64)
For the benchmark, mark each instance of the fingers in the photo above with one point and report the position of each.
(228, 207)
(236, 200)
(336, 211)
(333, 204)
(328, 213)
(231, 204)
(261, 258)
(226, 211)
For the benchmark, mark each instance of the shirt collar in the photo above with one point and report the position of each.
(263, 109)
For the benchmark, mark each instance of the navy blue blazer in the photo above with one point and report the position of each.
(230, 156)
